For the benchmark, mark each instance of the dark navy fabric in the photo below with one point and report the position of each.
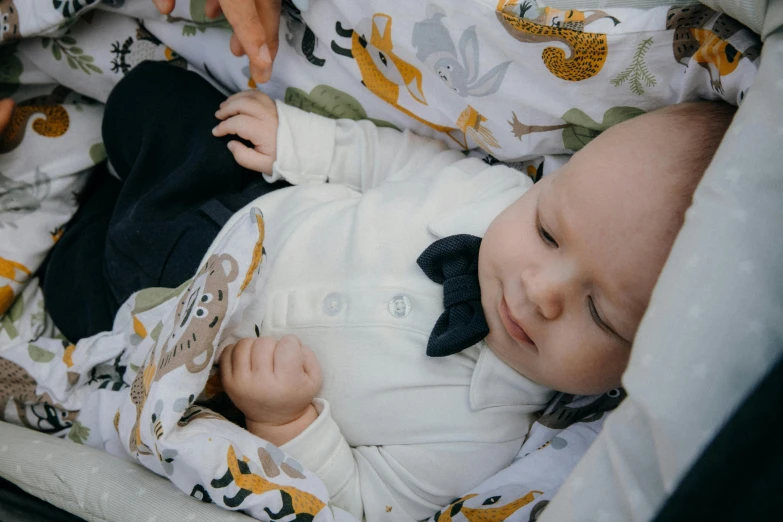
(179, 185)
(453, 262)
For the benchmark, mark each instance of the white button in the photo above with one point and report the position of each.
(333, 303)
(400, 306)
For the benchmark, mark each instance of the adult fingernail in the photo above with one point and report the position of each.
(264, 54)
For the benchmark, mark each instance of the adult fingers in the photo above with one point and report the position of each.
(164, 6)
(235, 46)
(249, 158)
(245, 20)
(212, 8)
(6, 111)
(269, 12)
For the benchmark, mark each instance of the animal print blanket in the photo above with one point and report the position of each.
(514, 80)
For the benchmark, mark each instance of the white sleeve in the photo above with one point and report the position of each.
(315, 149)
(410, 481)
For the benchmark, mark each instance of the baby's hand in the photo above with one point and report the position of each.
(273, 383)
(251, 115)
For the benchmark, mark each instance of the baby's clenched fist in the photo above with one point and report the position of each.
(273, 383)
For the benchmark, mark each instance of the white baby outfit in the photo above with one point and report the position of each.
(395, 427)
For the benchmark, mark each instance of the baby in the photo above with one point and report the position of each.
(566, 269)
(339, 372)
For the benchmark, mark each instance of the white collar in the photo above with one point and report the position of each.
(494, 383)
(475, 217)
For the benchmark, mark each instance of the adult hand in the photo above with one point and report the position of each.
(255, 23)
(6, 111)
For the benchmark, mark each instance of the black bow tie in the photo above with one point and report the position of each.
(453, 262)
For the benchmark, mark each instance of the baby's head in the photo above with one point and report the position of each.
(566, 271)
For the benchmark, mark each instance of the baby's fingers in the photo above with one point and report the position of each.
(246, 127)
(257, 105)
(250, 158)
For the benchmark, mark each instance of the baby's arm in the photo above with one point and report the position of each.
(414, 479)
(273, 383)
(302, 147)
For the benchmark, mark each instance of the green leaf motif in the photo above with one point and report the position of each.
(149, 298)
(583, 128)
(79, 432)
(71, 62)
(17, 309)
(331, 103)
(155, 333)
(92, 67)
(97, 153)
(45, 42)
(68, 40)
(637, 73)
(56, 52)
(38, 354)
(188, 30)
(8, 325)
(574, 137)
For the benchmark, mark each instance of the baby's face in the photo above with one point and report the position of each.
(566, 272)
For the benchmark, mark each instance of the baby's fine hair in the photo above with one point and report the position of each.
(704, 124)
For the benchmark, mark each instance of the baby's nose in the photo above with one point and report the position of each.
(546, 292)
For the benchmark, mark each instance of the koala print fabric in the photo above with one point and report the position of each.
(142, 391)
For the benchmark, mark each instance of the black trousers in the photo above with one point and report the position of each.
(178, 186)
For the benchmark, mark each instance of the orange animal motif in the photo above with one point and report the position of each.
(713, 40)
(483, 508)
(53, 124)
(470, 122)
(258, 250)
(384, 73)
(304, 505)
(16, 272)
(570, 18)
(586, 51)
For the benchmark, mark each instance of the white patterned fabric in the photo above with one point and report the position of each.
(509, 91)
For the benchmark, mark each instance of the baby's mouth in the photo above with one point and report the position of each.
(513, 328)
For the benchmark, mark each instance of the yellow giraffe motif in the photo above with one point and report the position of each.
(295, 501)
(384, 73)
(258, 250)
(470, 122)
(586, 51)
(484, 514)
